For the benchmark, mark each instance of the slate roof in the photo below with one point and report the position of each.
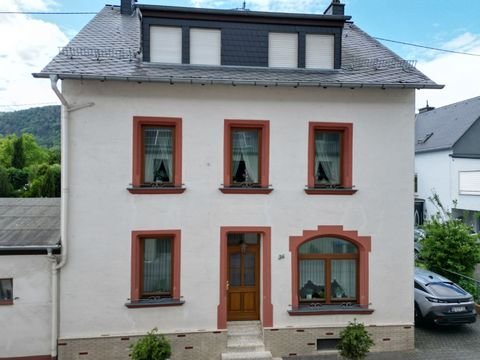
(109, 48)
(29, 223)
(446, 125)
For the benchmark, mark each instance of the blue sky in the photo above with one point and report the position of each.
(450, 24)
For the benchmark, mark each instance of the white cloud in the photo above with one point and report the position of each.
(459, 73)
(300, 6)
(27, 46)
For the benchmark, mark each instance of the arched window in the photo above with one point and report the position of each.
(327, 271)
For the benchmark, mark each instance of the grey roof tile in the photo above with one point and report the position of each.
(115, 54)
(29, 222)
(446, 124)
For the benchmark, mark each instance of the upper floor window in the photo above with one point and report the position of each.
(246, 152)
(319, 51)
(157, 154)
(166, 44)
(205, 46)
(469, 182)
(6, 291)
(330, 155)
(283, 50)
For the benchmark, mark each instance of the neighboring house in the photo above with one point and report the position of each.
(227, 165)
(447, 160)
(29, 232)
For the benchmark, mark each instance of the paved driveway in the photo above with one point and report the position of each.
(432, 343)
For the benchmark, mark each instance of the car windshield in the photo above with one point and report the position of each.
(445, 289)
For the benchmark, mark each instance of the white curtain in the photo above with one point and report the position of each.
(158, 150)
(312, 274)
(157, 265)
(327, 157)
(245, 147)
(344, 274)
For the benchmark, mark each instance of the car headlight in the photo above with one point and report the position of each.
(438, 301)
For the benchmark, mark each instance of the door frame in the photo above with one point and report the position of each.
(266, 307)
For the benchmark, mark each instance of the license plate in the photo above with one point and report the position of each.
(456, 309)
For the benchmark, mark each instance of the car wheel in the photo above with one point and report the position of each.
(418, 315)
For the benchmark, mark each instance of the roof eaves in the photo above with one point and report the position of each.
(440, 148)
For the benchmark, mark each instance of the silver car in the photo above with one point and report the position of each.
(440, 301)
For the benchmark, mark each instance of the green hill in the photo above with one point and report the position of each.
(42, 122)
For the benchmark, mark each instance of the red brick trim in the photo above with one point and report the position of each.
(363, 244)
(346, 149)
(32, 357)
(264, 126)
(266, 296)
(136, 261)
(138, 123)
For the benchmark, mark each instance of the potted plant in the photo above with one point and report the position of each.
(153, 346)
(355, 342)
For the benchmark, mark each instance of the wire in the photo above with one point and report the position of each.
(426, 47)
(49, 13)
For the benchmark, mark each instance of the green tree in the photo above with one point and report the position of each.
(151, 347)
(449, 246)
(48, 184)
(18, 156)
(355, 341)
(6, 188)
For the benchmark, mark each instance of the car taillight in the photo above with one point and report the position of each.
(438, 301)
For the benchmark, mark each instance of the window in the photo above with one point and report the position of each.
(155, 267)
(319, 51)
(283, 50)
(327, 271)
(6, 291)
(246, 152)
(205, 46)
(166, 44)
(157, 155)
(330, 158)
(469, 182)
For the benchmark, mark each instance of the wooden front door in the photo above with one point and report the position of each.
(243, 282)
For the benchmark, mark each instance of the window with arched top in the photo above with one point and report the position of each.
(327, 271)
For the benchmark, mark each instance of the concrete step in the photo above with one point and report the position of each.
(245, 344)
(246, 328)
(257, 355)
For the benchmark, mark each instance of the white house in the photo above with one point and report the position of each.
(447, 159)
(29, 237)
(229, 171)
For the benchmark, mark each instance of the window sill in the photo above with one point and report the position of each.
(330, 310)
(140, 190)
(246, 190)
(6, 302)
(330, 191)
(146, 303)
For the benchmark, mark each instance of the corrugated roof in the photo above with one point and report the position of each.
(108, 48)
(29, 222)
(441, 128)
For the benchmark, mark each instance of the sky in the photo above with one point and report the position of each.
(28, 42)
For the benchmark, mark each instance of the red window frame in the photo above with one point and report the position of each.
(138, 185)
(346, 148)
(136, 290)
(264, 137)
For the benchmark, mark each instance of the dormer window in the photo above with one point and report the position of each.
(319, 51)
(166, 44)
(205, 45)
(283, 50)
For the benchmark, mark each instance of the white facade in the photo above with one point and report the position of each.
(95, 283)
(25, 329)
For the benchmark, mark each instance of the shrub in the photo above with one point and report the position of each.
(355, 341)
(153, 346)
(18, 177)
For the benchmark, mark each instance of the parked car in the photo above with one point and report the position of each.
(418, 236)
(440, 301)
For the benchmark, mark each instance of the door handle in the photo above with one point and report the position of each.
(228, 285)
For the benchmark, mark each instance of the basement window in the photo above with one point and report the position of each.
(6, 291)
(327, 344)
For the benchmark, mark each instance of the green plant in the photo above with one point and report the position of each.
(153, 346)
(355, 342)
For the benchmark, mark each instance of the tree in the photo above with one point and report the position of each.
(449, 247)
(6, 188)
(18, 156)
(48, 185)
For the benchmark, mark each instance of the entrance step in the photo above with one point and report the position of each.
(245, 341)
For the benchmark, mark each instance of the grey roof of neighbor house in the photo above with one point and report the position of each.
(108, 48)
(29, 223)
(441, 128)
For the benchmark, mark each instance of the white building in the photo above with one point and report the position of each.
(447, 159)
(224, 166)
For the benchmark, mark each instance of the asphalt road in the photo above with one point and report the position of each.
(431, 343)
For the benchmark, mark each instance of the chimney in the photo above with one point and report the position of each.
(335, 8)
(425, 109)
(127, 7)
